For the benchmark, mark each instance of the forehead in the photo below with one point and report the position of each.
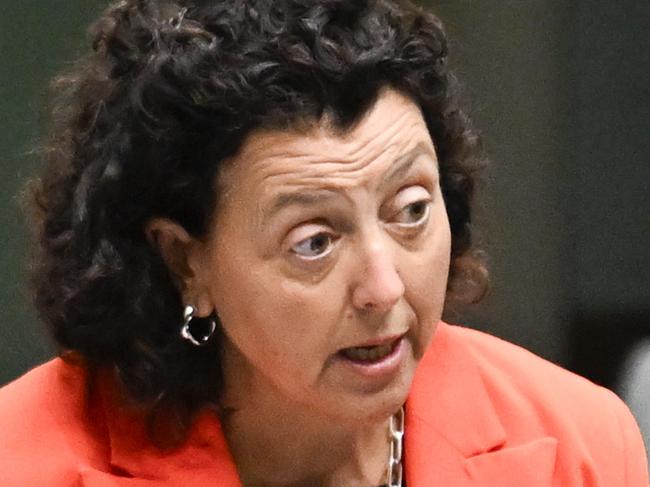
(320, 157)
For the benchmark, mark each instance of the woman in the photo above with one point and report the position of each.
(247, 223)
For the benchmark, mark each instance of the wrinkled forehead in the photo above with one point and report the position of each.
(392, 127)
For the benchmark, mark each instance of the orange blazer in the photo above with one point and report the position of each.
(481, 412)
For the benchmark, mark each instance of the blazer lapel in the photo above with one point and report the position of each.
(203, 459)
(453, 433)
(531, 464)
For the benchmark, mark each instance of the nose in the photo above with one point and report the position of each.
(379, 286)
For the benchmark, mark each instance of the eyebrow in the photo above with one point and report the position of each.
(299, 199)
(400, 167)
(403, 163)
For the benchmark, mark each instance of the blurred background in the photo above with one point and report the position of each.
(561, 94)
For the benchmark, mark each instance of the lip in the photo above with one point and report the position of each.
(380, 369)
(377, 341)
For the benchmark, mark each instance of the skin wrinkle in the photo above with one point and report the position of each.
(312, 178)
(325, 131)
(321, 195)
(349, 149)
(349, 168)
(349, 163)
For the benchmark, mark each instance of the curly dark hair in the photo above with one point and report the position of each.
(141, 125)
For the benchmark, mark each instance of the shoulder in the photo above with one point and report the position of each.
(513, 374)
(46, 435)
(533, 395)
(508, 366)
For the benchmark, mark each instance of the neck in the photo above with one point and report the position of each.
(277, 442)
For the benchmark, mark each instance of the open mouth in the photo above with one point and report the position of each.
(370, 354)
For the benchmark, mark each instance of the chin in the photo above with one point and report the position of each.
(379, 405)
(381, 409)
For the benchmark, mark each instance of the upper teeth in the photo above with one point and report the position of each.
(368, 353)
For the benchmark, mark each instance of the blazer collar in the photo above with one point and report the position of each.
(203, 459)
(453, 433)
(453, 436)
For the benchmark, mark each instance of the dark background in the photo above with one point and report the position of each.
(560, 92)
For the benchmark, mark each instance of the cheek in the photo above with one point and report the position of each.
(271, 319)
(426, 282)
(425, 275)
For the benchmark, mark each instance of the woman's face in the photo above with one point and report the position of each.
(322, 244)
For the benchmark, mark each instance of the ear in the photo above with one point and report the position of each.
(182, 255)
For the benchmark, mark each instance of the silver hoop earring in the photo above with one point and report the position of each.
(186, 333)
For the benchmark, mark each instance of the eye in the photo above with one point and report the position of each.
(413, 206)
(315, 247)
(414, 213)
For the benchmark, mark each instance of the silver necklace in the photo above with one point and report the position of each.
(395, 437)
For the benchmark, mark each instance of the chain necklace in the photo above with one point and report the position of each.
(395, 437)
